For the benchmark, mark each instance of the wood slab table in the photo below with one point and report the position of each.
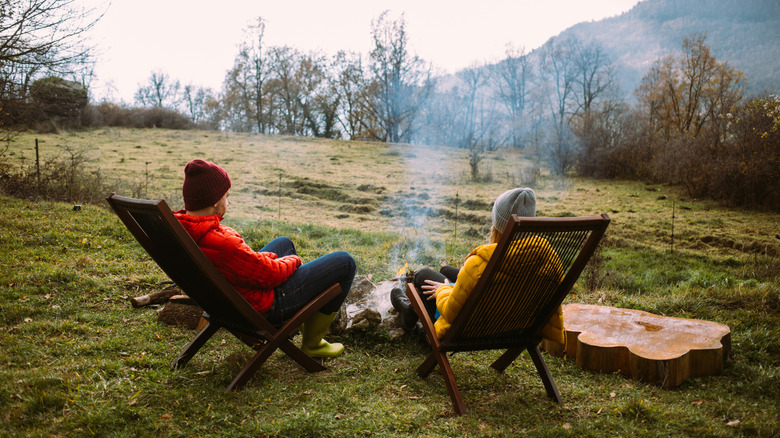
(660, 350)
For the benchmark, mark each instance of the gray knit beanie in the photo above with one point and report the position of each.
(521, 202)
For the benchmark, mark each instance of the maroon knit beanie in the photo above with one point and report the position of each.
(204, 184)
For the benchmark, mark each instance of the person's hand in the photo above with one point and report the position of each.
(429, 288)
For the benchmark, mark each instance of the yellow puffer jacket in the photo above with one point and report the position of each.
(450, 299)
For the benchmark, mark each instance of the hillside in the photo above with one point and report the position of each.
(78, 360)
(746, 33)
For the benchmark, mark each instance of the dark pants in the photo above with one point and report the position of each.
(309, 280)
(447, 273)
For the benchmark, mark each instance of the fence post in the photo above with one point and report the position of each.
(37, 163)
(673, 205)
(146, 181)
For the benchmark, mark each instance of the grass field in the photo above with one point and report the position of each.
(78, 360)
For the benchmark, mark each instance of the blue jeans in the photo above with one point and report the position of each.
(308, 281)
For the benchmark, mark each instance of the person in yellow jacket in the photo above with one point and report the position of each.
(445, 292)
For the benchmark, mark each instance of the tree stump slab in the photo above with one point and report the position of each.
(660, 350)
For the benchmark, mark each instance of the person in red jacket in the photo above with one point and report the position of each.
(273, 280)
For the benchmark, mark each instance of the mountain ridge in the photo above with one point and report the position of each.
(745, 33)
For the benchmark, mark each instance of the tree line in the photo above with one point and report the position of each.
(689, 123)
(391, 95)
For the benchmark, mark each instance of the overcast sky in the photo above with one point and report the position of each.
(195, 41)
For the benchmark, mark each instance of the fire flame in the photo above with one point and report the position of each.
(402, 271)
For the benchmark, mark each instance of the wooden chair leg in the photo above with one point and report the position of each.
(436, 356)
(430, 334)
(426, 367)
(265, 351)
(250, 341)
(251, 367)
(449, 381)
(506, 359)
(189, 351)
(544, 373)
(307, 362)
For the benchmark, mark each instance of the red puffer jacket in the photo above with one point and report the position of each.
(253, 274)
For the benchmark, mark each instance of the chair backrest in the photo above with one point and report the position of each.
(534, 266)
(158, 231)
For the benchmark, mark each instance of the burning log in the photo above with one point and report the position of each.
(404, 275)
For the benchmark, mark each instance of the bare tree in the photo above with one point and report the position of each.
(594, 78)
(47, 34)
(317, 105)
(246, 102)
(472, 80)
(160, 92)
(596, 106)
(285, 90)
(327, 105)
(400, 81)
(348, 83)
(511, 78)
(687, 101)
(40, 38)
(558, 71)
(198, 103)
(475, 123)
(239, 100)
(439, 121)
(279, 90)
(682, 95)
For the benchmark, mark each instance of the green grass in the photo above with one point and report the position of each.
(77, 360)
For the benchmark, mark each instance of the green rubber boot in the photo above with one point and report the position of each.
(313, 331)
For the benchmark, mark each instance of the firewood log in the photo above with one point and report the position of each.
(155, 297)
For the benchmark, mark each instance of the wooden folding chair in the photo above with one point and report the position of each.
(158, 231)
(515, 297)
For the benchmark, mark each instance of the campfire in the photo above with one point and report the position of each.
(404, 275)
